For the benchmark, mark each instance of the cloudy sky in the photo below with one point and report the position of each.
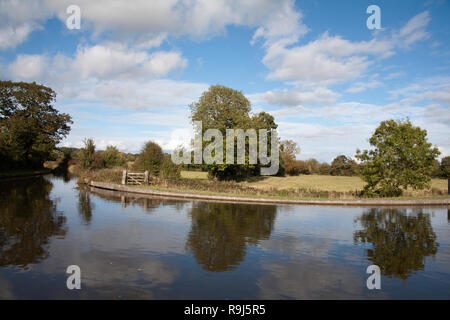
(131, 70)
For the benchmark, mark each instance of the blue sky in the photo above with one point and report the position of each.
(131, 70)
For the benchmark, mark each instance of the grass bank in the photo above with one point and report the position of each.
(299, 187)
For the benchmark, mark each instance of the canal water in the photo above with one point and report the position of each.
(136, 247)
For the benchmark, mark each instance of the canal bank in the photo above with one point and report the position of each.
(356, 202)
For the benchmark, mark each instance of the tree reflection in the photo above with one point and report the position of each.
(28, 218)
(400, 241)
(85, 206)
(220, 232)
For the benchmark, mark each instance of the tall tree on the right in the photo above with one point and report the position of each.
(401, 157)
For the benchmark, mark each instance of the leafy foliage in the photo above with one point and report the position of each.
(343, 166)
(169, 169)
(150, 158)
(223, 108)
(87, 154)
(112, 157)
(402, 157)
(30, 127)
(445, 167)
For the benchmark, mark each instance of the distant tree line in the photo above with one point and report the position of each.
(151, 158)
(30, 129)
(340, 166)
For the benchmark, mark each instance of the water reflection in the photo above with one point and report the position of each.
(400, 241)
(148, 203)
(139, 246)
(220, 232)
(28, 219)
(85, 206)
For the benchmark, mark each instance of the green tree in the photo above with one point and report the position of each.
(313, 165)
(324, 169)
(112, 157)
(224, 108)
(150, 158)
(445, 171)
(343, 166)
(288, 151)
(87, 154)
(169, 169)
(30, 127)
(402, 157)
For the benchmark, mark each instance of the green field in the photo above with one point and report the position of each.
(194, 175)
(313, 182)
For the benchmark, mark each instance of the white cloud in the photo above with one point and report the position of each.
(12, 36)
(116, 60)
(393, 75)
(149, 23)
(328, 59)
(363, 86)
(332, 59)
(28, 67)
(18, 19)
(296, 97)
(415, 29)
(151, 94)
(102, 61)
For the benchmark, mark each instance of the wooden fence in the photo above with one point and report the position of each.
(135, 178)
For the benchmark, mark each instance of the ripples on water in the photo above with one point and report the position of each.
(130, 246)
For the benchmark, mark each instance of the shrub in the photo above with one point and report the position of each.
(150, 159)
(169, 169)
(324, 169)
(112, 157)
(86, 154)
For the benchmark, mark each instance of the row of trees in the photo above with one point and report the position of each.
(151, 158)
(401, 156)
(89, 158)
(340, 166)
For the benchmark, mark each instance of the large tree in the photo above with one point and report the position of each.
(401, 157)
(224, 108)
(30, 127)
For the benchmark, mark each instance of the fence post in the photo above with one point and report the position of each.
(146, 177)
(124, 177)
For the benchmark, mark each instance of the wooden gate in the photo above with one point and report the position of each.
(134, 178)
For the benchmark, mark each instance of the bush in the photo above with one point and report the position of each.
(169, 169)
(296, 167)
(324, 169)
(343, 166)
(86, 154)
(112, 157)
(150, 159)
